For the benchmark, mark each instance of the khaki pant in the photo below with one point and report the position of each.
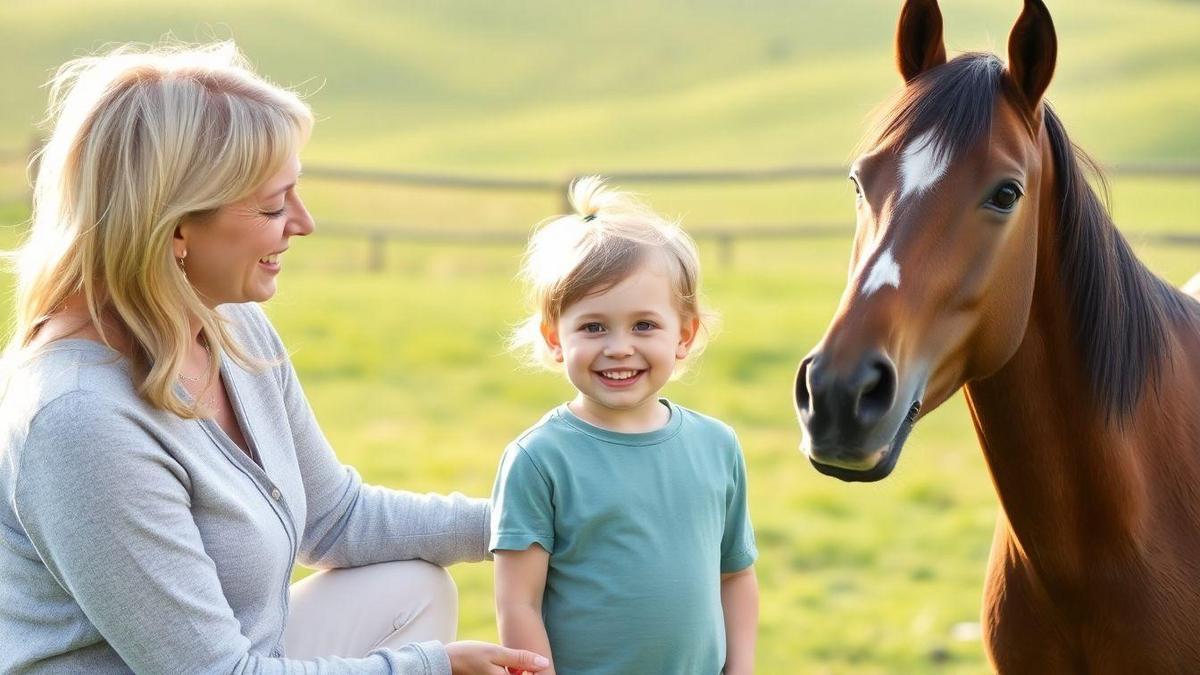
(348, 612)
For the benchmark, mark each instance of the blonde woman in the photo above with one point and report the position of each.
(160, 468)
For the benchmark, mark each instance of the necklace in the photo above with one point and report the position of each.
(207, 358)
(208, 400)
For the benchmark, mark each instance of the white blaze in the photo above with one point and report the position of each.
(921, 165)
(885, 273)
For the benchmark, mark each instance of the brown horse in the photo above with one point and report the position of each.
(983, 259)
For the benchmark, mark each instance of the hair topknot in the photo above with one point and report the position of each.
(591, 198)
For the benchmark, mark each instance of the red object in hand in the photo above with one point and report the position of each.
(514, 671)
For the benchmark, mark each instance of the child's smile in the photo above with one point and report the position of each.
(619, 378)
(620, 346)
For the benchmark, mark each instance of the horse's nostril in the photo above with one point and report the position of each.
(803, 398)
(876, 390)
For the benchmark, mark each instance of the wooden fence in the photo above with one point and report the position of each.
(725, 236)
(750, 175)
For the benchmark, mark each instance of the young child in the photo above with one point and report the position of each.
(619, 525)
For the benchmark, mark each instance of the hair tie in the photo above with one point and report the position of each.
(589, 217)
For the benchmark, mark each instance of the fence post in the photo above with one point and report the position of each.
(377, 242)
(725, 249)
(564, 194)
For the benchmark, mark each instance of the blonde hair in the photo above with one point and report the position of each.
(608, 238)
(143, 138)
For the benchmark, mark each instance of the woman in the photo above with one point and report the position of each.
(162, 470)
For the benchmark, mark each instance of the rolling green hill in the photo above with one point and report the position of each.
(547, 86)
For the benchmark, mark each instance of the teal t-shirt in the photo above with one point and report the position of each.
(639, 528)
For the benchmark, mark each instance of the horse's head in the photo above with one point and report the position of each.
(942, 270)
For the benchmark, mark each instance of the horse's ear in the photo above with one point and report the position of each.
(1032, 50)
(919, 45)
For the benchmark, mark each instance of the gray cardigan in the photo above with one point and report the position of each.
(132, 539)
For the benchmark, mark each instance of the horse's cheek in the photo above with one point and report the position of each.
(1004, 315)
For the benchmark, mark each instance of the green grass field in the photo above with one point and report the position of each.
(405, 368)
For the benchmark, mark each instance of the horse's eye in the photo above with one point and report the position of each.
(1004, 198)
(857, 187)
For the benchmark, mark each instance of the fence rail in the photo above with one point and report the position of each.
(745, 175)
(378, 236)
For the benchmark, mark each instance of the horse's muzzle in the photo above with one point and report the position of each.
(854, 426)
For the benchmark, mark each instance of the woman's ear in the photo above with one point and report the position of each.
(550, 335)
(687, 335)
(179, 243)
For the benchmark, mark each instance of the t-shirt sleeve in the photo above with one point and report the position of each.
(522, 504)
(738, 550)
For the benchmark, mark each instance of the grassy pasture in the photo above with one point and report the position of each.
(406, 368)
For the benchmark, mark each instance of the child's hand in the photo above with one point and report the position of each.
(482, 658)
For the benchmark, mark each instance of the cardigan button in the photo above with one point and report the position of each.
(276, 494)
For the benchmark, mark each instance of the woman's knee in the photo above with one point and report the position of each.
(429, 580)
(427, 608)
(349, 611)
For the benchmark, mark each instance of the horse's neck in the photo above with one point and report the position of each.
(1073, 482)
(1062, 477)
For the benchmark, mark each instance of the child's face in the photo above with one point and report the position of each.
(619, 347)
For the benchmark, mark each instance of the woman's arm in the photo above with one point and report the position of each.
(348, 522)
(739, 601)
(108, 511)
(520, 582)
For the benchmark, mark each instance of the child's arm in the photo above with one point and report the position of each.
(739, 601)
(520, 581)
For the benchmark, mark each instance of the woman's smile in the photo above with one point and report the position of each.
(271, 263)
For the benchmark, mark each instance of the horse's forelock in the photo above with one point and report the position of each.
(953, 103)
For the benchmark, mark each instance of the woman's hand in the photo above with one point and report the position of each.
(483, 658)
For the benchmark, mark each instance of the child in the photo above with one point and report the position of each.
(619, 526)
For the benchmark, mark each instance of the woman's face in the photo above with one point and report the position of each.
(234, 255)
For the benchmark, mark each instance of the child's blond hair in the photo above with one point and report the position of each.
(607, 238)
